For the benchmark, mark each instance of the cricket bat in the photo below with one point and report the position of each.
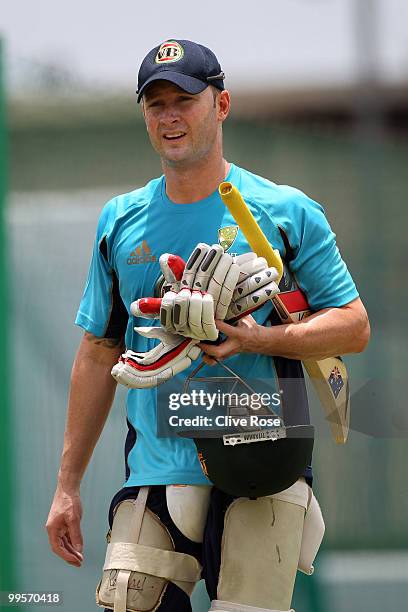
(328, 376)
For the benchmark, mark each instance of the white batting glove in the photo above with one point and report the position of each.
(256, 286)
(198, 292)
(189, 313)
(207, 286)
(211, 270)
(172, 355)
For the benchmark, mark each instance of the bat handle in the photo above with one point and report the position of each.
(257, 240)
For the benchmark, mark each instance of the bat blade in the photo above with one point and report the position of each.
(328, 376)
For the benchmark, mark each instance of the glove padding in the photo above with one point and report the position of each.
(172, 355)
(189, 313)
(210, 270)
(196, 295)
(256, 285)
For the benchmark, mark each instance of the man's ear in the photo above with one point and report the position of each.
(224, 104)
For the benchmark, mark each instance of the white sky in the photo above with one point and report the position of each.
(271, 43)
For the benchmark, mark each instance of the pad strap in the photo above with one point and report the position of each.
(184, 570)
(121, 591)
(123, 576)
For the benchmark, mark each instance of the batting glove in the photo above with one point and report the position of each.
(189, 311)
(256, 285)
(172, 355)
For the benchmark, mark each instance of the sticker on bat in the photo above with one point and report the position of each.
(336, 381)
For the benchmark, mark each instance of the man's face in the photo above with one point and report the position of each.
(182, 127)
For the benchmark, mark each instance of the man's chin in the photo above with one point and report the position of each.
(176, 159)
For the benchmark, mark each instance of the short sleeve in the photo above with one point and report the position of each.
(101, 311)
(317, 263)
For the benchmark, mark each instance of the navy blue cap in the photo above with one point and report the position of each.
(190, 66)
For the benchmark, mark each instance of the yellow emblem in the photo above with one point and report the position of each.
(227, 235)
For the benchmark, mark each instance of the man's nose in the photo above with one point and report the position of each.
(170, 114)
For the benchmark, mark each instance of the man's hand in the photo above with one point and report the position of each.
(241, 338)
(63, 526)
(325, 333)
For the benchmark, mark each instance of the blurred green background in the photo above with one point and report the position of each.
(67, 156)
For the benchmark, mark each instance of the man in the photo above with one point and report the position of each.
(184, 104)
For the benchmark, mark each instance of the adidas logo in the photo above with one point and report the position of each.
(141, 255)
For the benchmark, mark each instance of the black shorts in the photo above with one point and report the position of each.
(208, 553)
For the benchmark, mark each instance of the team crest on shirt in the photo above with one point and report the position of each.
(169, 51)
(227, 235)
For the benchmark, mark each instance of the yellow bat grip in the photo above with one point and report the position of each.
(257, 240)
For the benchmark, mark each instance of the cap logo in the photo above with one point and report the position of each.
(170, 51)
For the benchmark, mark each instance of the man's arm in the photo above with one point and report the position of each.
(90, 399)
(326, 333)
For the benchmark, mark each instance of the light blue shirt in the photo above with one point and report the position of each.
(134, 229)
